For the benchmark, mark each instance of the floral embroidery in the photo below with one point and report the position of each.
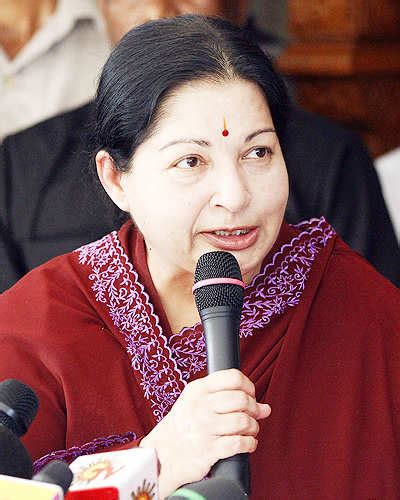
(116, 283)
(165, 369)
(98, 444)
(281, 283)
(189, 349)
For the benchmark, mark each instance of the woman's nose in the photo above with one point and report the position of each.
(230, 190)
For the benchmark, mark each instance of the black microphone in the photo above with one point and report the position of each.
(216, 488)
(51, 483)
(219, 290)
(56, 472)
(18, 406)
(14, 459)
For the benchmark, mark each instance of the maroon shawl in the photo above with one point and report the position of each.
(319, 338)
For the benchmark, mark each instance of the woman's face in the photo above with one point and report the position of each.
(194, 188)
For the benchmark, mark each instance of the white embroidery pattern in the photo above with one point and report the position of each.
(115, 283)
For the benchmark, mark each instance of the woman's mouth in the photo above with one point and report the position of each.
(232, 239)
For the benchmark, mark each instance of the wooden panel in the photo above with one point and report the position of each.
(383, 19)
(366, 104)
(344, 60)
(340, 58)
(344, 19)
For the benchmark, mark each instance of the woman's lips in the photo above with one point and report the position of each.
(232, 242)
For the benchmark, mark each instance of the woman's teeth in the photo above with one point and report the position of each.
(237, 232)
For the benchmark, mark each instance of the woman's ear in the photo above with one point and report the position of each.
(110, 178)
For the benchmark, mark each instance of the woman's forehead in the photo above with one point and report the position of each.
(207, 100)
(206, 103)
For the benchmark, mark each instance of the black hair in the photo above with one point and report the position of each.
(154, 59)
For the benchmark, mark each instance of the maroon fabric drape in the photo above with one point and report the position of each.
(319, 338)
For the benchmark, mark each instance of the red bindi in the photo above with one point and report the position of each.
(225, 132)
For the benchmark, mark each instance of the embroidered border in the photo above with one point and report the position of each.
(281, 283)
(116, 284)
(86, 449)
(278, 286)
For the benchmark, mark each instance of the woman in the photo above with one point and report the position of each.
(189, 114)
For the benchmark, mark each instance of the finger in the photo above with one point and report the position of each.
(264, 410)
(232, 379)
(227, 446)
(232, 424)
(236, 401)
(233, 401)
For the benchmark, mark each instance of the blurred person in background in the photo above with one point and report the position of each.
(48, 207)
(388, 168)
(42, 43)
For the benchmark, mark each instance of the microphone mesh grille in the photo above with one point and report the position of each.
(22, 400)
(218, 265)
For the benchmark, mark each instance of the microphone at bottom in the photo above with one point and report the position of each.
(14, 458)
(115, 475)
(51, 483)
(216, 488)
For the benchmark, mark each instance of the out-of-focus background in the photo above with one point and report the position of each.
(272, 16)
(344, 58)
(339, 58)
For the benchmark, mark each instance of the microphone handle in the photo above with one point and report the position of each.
(221, 326)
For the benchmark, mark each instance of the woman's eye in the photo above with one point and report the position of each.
(260, 152)
(188, 162)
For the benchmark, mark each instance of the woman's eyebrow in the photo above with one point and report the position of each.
(185, 140)
(258, 132)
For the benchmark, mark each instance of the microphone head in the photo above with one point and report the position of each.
(18, 406)
(215, 488)
(218, 265)
(14, 459)
(56, 472)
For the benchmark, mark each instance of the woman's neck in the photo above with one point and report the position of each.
(19, 20)
(175, 292)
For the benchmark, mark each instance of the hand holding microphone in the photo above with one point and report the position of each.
(215, 417)
(219, 292)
